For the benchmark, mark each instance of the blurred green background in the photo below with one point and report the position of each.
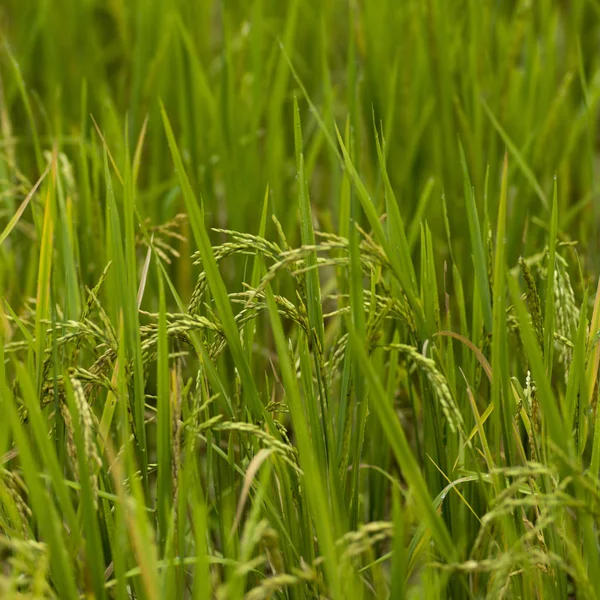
(494, 75)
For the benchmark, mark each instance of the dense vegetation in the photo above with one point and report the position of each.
(299, 299)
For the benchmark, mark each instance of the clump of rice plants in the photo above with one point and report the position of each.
(293, 307)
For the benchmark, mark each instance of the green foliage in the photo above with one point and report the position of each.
(377, 379)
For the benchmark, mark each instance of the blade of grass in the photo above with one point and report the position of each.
(164, 422)
(215, 281)
(549, 318)
(526, 170)
(552, 416)
(481, 276)
(325, 521)
(44, 509)
(19, 212)
(402, 452)
(87, 505)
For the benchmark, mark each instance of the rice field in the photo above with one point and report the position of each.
(299, 299)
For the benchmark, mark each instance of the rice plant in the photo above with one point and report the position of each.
(299, 300)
